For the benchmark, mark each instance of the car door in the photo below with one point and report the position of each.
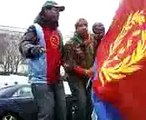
(24, 100)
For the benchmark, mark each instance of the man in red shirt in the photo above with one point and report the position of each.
(42, 46)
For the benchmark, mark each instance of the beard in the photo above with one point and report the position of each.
(53, 24)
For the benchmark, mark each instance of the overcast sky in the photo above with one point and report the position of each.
(21, 13)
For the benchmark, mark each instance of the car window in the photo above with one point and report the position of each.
(23, 92)
(6, 91)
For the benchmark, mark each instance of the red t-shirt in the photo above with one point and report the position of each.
(53, 60)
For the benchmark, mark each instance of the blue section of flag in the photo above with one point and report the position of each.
(102, 109)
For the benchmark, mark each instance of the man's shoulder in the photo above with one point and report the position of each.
(29, 35)
(92, 37)
(31, 29)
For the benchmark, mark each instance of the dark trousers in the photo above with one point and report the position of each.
(89, 102)
(82, 97)
(50, 100)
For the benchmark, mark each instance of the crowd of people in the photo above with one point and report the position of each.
(42, 46)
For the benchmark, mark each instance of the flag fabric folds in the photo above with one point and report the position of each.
(121, 66)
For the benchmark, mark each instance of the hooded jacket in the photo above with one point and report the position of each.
(44, 67)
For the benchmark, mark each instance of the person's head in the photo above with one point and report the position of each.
(49, 14)
(98, 30)
(81, 27)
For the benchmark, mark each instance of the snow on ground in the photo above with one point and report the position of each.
(12, 79)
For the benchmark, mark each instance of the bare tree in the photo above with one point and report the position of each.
(10, 56)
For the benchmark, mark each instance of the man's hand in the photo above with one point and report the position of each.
(37, 50)
(87, 42)
(89, 72)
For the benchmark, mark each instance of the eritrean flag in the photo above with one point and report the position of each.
(121, 62)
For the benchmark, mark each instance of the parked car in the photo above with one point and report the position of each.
(16, 103)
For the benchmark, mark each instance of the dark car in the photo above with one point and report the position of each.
(16, 103)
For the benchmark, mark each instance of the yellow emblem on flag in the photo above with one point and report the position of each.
(118, 64)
